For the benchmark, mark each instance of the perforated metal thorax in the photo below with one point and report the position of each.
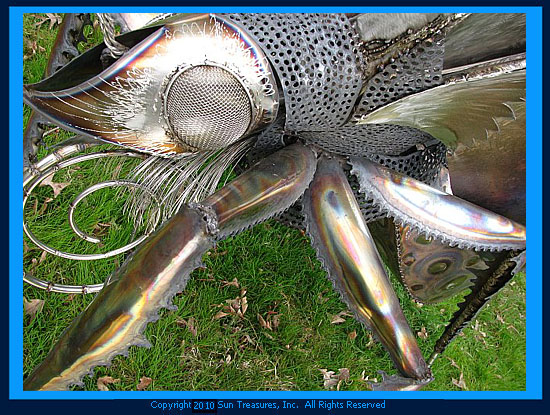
(319, 61)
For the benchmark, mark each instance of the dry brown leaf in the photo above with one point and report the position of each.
(343, 373)
(34, 47)
(51, 18)
(190, 324)
(216, 253)
(144, 383)
(234, 283)
(69, 298)
(44, 206)
(244, 305)
(34, 263)
(32, 307)
(42, 257)
(339, 318)
(56, 187)
(274, 321)
(423, 334)
(352, 335)
(500, 319)
(264, 324)
(103, 381)
(246, 339)
(220, 314)
(460, 382)
(453, 363)
(330, 379)
(477, 328)
(321, 298)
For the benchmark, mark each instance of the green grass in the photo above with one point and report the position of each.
(277, 268)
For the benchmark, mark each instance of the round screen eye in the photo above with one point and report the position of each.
(207, 107)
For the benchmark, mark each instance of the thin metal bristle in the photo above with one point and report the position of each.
(175, 181)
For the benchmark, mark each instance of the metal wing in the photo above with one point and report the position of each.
(460, 112)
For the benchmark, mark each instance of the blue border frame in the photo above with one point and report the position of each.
(534, 214)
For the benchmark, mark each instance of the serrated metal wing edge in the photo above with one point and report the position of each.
(434, 213)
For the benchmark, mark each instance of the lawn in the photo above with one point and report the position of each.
(286, 337)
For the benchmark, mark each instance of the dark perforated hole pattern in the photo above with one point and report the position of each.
(415, 71)
(363, 139)
(316, 59)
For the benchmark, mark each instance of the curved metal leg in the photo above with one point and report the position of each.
(160, 267)
(347, 250)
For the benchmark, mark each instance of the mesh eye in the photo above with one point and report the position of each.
(207, 107)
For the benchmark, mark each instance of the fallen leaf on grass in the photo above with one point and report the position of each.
(332, 379)
(103, 381)
(190, 324)
(52, 18)
(321, 298)
(460, 382)
(339, 318)
(144, 383)
(329, 378)
(236, 306)
(56, 187)
(101, 229)
(44, 206)
(453, 363)
(34, 47)
(352, 335)
(69, 298)
(216, 253)
(234, 283)
(271, 322)
(32, 307)
(244, 341)
(477, 328)
(220, 314)
(263, 323)
(423, 334)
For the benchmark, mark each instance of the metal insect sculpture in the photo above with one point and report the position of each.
(344, 119)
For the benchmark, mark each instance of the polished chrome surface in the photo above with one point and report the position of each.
(130, 299)
(269, 188)
(492, 173)
(437, 213)
(132, 102)
(432, 270)
(161, 266)
(348, 252)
